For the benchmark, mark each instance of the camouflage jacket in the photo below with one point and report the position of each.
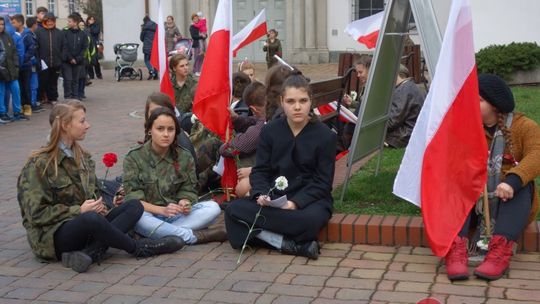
(48, 200)
(156, 180)
(183, 95)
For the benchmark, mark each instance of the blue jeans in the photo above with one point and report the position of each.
(7, 88)
(34, 85)
(201, 216)
(149, 66)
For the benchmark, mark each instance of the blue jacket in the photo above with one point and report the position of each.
(30, 46)
(17, 39)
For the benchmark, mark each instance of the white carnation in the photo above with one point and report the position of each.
(281, 183)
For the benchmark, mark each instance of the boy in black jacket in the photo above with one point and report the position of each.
(75, 43)
(50, 40)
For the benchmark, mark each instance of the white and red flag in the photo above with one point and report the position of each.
(444, 169)
(213, 96)
(254, 30)
(158, 57)
(366, 30)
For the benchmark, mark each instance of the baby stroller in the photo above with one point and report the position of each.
(183, 46)
(126, 55)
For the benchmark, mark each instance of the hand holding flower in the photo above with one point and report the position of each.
(171, 210)
(185, 205)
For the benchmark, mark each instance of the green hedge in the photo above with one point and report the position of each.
(504, 60)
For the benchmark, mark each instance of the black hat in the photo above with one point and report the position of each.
(49, 15)
(495, 91)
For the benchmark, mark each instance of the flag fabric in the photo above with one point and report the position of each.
(345, 115)
(444, 169)
(366, 30)
(211, 102)
(158, 57)
(212, 99)
(254, 30)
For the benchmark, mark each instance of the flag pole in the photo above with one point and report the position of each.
(487, 218)
(227, 191)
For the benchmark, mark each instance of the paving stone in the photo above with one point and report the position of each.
(25, 293)
(377, 256)
(364, 264)
(353, 294)
(66, 296)
(331, 301)
(289, 299)
(367, 273)
(351, 283)
(399, 297)
(409, 276)
(458, 290)
(266, 299)
(522, 294)
(310, 270)
(309, 280)
(412, 286)
(294, 290)
(135, 290)
(454, 299)
(230, 296)
(123, 299)
(155, 281)
(189, 293)
(250, 286)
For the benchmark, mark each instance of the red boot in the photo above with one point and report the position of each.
(456, 260)
(497, 259)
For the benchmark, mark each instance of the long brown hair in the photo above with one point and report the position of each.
(150, 122)
(274, 80)
(62, 113)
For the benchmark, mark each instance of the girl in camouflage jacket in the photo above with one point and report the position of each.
(63, 213)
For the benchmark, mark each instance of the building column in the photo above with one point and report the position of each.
(310, 27)
(298, 25)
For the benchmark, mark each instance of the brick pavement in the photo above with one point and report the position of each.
(208, 273)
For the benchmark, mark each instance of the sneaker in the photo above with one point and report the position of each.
(37, 108)
(20, 116)
(27, 110)
(5, 118)
(150, 77)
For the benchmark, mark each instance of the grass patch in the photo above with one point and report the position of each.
(370, 194)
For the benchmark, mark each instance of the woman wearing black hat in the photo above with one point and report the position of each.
(514, 163)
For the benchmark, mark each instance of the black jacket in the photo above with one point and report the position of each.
(147, 36)
(94, 31)
(9, 69)
(307, 161)
(50, 43)
(75, 43)
(407, 101)
(30, 50)
(195, 35)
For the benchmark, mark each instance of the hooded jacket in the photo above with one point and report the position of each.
(50, 41)
(30, 49)
(147, 36)
(9, 69)
(75, 44)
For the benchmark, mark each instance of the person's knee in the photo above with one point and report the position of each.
(212, 208)
(135, 207)
(92, 219)
(243, 187)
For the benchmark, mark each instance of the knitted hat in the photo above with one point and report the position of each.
(495, 91)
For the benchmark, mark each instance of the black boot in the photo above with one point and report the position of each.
(76, 260)
(150, 76)
(96, 251)
(147, 247)
(308, 249)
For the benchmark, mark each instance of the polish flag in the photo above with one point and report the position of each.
(366, 30)
(345, 115)
(211, 102)
(158, 57)
(444, 169)
(254, 30)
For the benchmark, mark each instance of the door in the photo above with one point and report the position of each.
(245, 10)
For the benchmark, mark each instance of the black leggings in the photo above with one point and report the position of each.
(109, 230)
(511, 216)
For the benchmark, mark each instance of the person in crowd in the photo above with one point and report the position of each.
(148, 30)
(40, 15)
(28, 73)
(245, 144)
(88, 56)
(247, 68)
(75, 44)
(172, 33)
(272, 46)
(301, 149)
(273, 83)
(162, 177)
(9, 74)
(63, 213)
(240, 82)
(50, 44)
(514, 163)
(197, 47)
(29, 62)
(407, 101)
(184, 83)
(94, 69)
(203, 29)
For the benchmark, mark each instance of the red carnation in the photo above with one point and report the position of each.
(109, 159)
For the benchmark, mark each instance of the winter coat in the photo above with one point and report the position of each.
(30, 47)
(273, 48)
(196, 36)
(170, 35)
(94, 31)
(10, 67)
(75, 44)
(50, 43)
(147, 36)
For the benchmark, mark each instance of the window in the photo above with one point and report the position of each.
(72, 6)
(29, 7)
(52, 6)
(366, 8)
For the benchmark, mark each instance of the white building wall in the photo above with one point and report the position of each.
(122, 24)
(494, 22)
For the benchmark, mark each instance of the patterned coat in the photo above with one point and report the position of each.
(156, 180)
(48, 200)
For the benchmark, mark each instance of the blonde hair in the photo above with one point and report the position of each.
(60, 114)
(245, 65)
